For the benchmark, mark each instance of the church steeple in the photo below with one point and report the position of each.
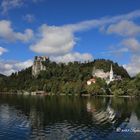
(111, 73)
(93, 71)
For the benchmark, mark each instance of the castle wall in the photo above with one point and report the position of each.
(37, 65)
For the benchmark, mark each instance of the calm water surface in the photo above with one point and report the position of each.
(69, 118)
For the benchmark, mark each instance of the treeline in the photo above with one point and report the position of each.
(68, 78)
(126, 87)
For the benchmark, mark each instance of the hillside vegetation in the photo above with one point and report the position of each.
(66, 78)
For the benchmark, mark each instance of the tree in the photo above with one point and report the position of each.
(62, 78)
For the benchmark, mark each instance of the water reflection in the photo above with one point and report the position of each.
(39, 117)
(107, 118)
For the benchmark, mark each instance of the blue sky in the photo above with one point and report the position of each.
(69, 30)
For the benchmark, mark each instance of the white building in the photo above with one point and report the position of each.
(108, 76)
(90, 81)
(111, 76)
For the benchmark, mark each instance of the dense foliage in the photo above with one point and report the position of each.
(71, 79)
(126, 87)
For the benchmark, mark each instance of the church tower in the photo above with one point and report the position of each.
(111, 77)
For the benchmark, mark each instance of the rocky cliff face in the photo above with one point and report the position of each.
(38, 65)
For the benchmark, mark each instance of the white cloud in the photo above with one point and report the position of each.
(25, 37)
(133, 67)
(115, 51)
(2, 50)
(124, 28)
(8, 67)
(56, 40)
(24, 64)
(70, 57)
(7, 5)
(7, 32)
(103, 21)
(59, 41)
(29, 18)
(132, 44)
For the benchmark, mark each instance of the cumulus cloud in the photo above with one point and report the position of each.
(70, 57)
(8, 67)
(7, 5)
(134, 66)
(25, 37)
(129, 30)
(56, 40)
(124, 28)
(59, 41)
(29, 18)
(132, 44)
(2, 50)
(7, 32)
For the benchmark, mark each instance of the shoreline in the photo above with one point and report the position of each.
(62, 94)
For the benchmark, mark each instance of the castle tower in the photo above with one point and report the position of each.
(111, 76)
(38, 65)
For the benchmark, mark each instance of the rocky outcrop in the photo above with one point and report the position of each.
(38, 65)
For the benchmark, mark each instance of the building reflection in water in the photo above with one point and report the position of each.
(105, 116)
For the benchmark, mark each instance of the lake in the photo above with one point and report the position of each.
(69, 118)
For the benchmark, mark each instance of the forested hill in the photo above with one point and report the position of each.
(57, 75)
(2, 76)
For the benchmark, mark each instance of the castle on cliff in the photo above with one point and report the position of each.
(38, 64)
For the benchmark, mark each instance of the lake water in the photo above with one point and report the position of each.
(69, 118)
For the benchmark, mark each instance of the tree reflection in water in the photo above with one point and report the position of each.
(54, 117)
